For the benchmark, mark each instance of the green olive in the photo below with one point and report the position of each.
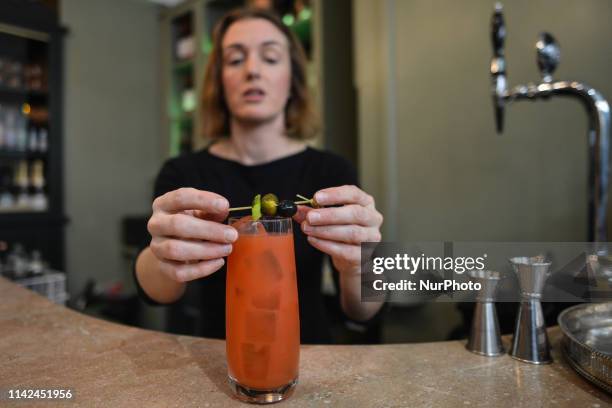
(269, 202)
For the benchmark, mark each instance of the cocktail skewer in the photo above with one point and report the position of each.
(302, 202)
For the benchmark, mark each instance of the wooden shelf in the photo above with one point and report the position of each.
(19, 210)
(16, 155)
(22, 93)
(31, 219)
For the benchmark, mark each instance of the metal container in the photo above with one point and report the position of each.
(587, 341)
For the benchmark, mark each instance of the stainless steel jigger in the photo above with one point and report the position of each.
(484, 335)
(530, 342)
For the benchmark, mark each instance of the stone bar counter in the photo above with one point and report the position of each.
(46, 346)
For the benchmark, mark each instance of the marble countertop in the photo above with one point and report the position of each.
(43, 345)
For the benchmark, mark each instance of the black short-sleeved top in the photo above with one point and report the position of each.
(302, 173)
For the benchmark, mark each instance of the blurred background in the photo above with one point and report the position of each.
(96, 94)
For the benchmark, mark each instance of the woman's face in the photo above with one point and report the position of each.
(256, 70)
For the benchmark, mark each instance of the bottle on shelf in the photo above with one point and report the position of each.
(33, 139)
(17, 261)
(22, 183)
(34, 77)
(43, 140)
(38, 200)
(10, 137)
(185, 44)
(21, 143)
(188, 94)
(14, 74)
(36, 265)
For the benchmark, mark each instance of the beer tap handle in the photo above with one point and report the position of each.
(498, 31)
(498, 65)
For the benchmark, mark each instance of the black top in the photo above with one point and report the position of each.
(302, 173)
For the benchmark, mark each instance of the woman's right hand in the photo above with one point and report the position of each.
(188, 237)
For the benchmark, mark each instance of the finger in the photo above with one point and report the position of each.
(188, 227)
(347, 214)
(349, 234)
(337, 249)
(300, 215)
(182, 272)
(191, 199)
(344, 195)
(182, 250)
(217, 217)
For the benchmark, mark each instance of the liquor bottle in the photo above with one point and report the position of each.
(185, 40)
(10, 137)
(21, 181)
(38, 200)
(36, 265)
(21, 144)
(17, 262)
(33, 139)
(188, 95)
(43, 140)
(15, 75)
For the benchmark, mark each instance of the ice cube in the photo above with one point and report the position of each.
(269, 267)
(246, 225)
(243, 223)
(270, 299)
(265, 266)
(260, 228)
(260, 326)
(255, 360)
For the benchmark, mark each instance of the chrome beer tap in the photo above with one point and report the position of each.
(597, 108)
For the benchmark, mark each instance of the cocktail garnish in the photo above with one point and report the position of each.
(269, 205)
(256, 207)
(287, 208)
(269, 202)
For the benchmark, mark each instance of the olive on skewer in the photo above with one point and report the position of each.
(287, 208)
(270, 205)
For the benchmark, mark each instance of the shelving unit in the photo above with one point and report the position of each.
(31, 174)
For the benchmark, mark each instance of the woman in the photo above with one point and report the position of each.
(256, 106)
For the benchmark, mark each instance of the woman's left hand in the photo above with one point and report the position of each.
(339, 231)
